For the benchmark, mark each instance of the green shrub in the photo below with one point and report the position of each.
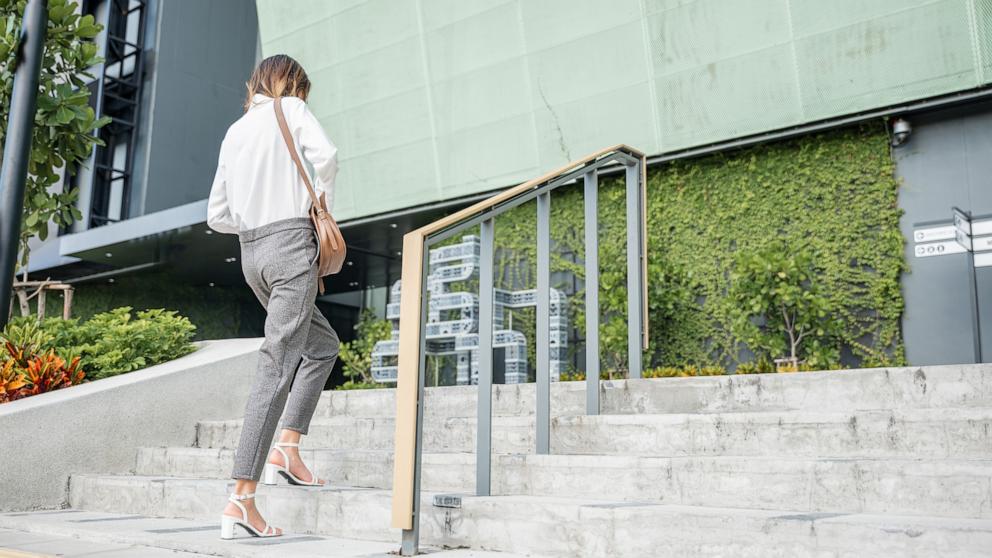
(356, 355)
(110, 343)
(683, 372)
(580, 375)
(351, 385)
(759, 366)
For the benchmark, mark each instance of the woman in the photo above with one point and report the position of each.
(259, 195)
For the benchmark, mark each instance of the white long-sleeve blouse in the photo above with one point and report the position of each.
(256, 181)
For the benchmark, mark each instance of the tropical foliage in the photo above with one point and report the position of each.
(64, 126)
(356, 355)
(781, 306)
(27, 368)
(52, 353)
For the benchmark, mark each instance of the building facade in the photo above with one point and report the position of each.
(436, 103)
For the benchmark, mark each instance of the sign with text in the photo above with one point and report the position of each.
(981, 243)
(931, 234)
(944, 248)
(981, 227)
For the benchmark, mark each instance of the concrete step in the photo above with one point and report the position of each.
(951, 488)
(73, 533)
(951, 386)
(560, 527)
(921, 433)
(454, 434)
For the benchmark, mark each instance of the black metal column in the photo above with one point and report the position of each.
(17, 145)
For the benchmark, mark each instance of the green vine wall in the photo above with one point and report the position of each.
(835, 192)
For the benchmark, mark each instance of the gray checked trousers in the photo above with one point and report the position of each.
(279, 261)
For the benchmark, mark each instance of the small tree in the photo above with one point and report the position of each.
(356, 355)
(64, 124)
(781, 307)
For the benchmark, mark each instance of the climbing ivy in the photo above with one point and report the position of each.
(833, 192)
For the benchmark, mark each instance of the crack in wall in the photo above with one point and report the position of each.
(554, 117)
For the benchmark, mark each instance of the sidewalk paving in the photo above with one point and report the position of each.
(22, 544)
(95, 534)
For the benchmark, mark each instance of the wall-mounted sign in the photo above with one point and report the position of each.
(981, 243)
(981, 227)
(945, 248)
(962, 221)
(983, 259)
(963, 239)
(931, 234)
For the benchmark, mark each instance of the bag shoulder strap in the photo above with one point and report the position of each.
(288, 137)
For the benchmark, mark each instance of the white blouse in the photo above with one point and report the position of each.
(257, 182)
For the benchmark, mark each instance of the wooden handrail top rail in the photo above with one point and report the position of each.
(510, 193)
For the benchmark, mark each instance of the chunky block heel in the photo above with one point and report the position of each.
(270, 474)
(228, 522)
(272, 471)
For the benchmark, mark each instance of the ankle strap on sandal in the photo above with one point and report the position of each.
(287, 444)
(241, 497)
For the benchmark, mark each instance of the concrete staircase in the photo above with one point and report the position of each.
(884, 462)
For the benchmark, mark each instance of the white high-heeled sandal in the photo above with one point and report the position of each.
(227, 522)
(271, 469)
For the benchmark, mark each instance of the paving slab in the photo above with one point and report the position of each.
(96, 534)
(27, 544)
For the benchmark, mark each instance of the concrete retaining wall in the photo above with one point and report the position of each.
(97, 427)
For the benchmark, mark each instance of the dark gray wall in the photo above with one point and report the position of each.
(947, 162)
(205, 52)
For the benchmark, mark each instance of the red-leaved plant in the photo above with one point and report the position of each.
(27, 373)
(11, 382)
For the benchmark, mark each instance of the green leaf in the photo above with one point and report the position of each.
(86, 28)
(65, 115)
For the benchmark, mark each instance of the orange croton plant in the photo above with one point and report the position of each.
(25, 374)
(11, 382)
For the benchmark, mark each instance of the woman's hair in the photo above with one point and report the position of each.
(278, 76)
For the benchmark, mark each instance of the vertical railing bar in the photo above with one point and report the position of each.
(592, 290)
(543, 325)
(634, 292)
(410, 544)
(484, 432)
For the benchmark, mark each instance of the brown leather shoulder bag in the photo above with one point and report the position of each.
(330, 244)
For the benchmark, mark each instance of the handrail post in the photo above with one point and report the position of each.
(484, 430)
(543, 325)
(410, 398)
(590, 200)
(635, 251)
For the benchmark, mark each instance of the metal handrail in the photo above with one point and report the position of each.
(413, 311)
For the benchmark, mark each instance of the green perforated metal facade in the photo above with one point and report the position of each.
(436, 99)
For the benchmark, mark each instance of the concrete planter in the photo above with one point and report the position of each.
(98, 426)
